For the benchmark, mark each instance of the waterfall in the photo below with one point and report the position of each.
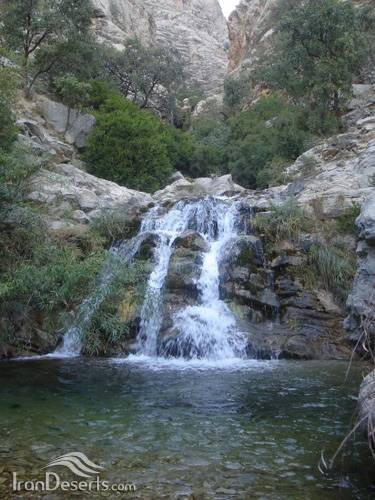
(207, 330)
(118, 256)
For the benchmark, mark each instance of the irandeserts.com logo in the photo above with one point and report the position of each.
(86, 470)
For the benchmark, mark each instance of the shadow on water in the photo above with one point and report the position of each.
(254, 430)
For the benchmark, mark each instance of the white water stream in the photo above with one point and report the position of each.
(205, 331)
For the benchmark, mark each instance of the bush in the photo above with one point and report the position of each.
(113, 227)
(15, 169)
(113, 320)
(345, 223)
(8, 87)
(318, 49)
(286, 221)
(129, 146)
(272, 129)
(273, 173)
(333, 269)
(236, 89)
(41, 278)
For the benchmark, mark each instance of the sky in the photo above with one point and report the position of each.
(228, 6)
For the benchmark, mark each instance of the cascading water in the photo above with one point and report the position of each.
(119, 255)
(207, 330)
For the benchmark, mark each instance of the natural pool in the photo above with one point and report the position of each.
(253, 429)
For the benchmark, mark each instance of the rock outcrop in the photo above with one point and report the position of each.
(195, 28)
(74, 196)
(361, 302)
(281, 315)
(366, 408)
(250, 28)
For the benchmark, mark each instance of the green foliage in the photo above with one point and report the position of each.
(273, 173)
(8, 87)
(72, 92)
(129, 146)
(272, 129)
(15, 170)
(40, 277)
(112, 227)
(318, 50)
(284, 222)
(345, 223)
(114, 319)
(44, 30)
(332, 268)
(150, 76)
(236, 90)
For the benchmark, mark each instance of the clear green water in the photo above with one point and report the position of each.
(187, 432)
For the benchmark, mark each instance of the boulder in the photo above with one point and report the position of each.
(197, 188)
(71, 193)
(73, 125)
(191, 240)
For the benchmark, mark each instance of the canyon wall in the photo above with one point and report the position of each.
(197, 29)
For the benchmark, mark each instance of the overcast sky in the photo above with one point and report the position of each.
(228, 6)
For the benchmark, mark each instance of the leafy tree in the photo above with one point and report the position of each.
(236, 89)
(318, 50)
(129, 146)
(8, 129)
(272, 129)
(35, 28)
(72, 92)
(149, 76)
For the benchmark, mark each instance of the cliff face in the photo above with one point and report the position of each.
(196, 28)
(250, 27)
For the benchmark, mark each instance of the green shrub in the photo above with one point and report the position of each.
(272, 129)
(236, 89)
(15, 170)
(112, 227)
(345, 223)
(332, 268)
(286, 221)
(41, 277)
(273, 173)
(113, 320)
(129, 146)
(8, 87)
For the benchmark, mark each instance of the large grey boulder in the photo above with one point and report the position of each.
(71, 193)
(197, 188)
(73, 125)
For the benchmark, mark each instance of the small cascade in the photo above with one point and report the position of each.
(204, 331)
(209, 330)
(118, 256)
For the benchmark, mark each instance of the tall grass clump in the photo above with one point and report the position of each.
(284, 222)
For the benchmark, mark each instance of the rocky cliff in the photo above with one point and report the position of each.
(250, 27)
(195, 28)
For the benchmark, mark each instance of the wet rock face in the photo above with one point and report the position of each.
(361, 301)
(366, 407)
(195, 28)
(181, 287)
(279, 313)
